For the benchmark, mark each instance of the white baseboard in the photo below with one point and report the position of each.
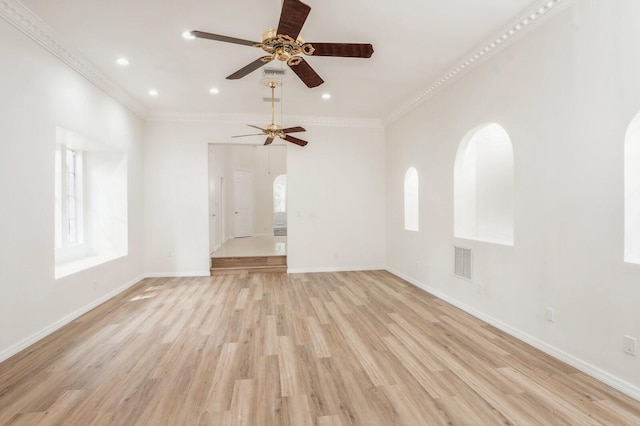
(12, 350)
(334, 269)
(590, 369)
(177, 274)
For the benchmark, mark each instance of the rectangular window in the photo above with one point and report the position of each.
(90, 203)
(69, 197)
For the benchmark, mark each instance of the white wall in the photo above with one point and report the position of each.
(336, 200)
(565, 93)
(335, 197)
(40, 93)
(176, 199)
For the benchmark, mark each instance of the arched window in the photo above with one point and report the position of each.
(483, 186)
(632, 192)
(280, 194)
(280, 205)
(411, 200)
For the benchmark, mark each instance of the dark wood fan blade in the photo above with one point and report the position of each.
(294, 129)
(297, 141)
(255, 127)
(307, 74)
(217, 37)
(268, 141)
(292, 18)
(250, 68)
(244, 136)
(345, 50)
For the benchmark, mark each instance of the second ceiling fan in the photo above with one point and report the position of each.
(285, 45)
(273, 131)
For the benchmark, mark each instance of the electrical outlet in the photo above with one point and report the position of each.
(629, 345)
(550, 314)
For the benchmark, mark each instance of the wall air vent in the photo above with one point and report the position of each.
(462, 266)
(273, 72)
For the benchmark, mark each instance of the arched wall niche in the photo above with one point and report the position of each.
(632, 192)
(484, 186)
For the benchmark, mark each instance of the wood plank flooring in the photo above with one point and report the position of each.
(349, 348)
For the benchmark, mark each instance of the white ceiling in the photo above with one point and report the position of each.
(416, 42)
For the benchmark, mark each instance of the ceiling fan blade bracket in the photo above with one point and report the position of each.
(293, 61)
(307, 49)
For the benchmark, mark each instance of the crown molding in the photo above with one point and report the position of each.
(18, 15)
(258, 118)
(30, 24)
(531, 18)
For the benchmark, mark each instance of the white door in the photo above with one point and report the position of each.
(216, 212)
(213, 211)
(242, 203)
(213, 223)
(220, 216)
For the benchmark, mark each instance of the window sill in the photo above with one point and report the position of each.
(69, 268)
(487, 240)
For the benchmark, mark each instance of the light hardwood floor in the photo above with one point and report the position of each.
(360, 348)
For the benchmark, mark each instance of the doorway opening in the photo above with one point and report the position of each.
(247, 200)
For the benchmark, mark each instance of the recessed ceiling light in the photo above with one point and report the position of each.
(326, 96)
(187, 35)
(122, 61)
(153, 92)
(214, 91)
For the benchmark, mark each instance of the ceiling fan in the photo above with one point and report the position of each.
(273, 131)
(285, 44)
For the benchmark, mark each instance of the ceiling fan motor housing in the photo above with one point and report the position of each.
(283, 47)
